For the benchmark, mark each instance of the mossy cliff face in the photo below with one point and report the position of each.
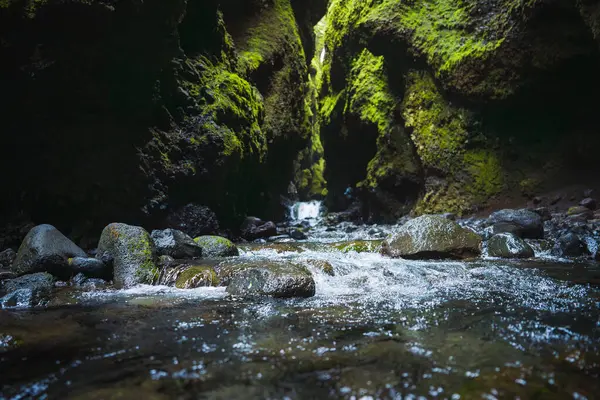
(439, 105)
(127, 109)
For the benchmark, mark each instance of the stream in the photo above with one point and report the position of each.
(379, 329)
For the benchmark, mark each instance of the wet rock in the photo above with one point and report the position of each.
(450, 216)
(556, 199)
(217, 246)
(298, 234)
(508, 245)
(195, 220)
(359, 246)
(543, 212)
(7, 257)
(530, 224)
(82, 281)
(285, 247)
(322, 265)
(45, 249)
(91, 268)
(133, 254)
(268, 278)
(280, 238)
(166, 262)
(175, 243)
(589, 203)
(196, 276)
(255, 228)
(432, 236)
(570, 245)
(580, 213)
(27, 290)
(502, 227)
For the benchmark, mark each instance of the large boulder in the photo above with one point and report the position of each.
(570, 245)
(45, 249)
(194, 220)
(217, 246)
(508, 245)
(175, 243)
(132, 252)
(255, 228)
(27, 291)
(432, 236)
(530, 224)
(266, 278)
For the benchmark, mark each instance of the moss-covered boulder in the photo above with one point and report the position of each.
(432, 237)
(132, 252)
(196, 276)
(323, 266)
(217, 246)
(359, 246)
(280, 279)
(508, 245)
(46, 249)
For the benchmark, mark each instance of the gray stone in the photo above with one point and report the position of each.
(45, 249)
(132, 252)
(255, 228)
(432, 237)
(508, 245)
(176, 244)
(589, 203)
(217, 246)
(570, 245)
(269, 278)
(91, 267)
(27, 290)
(530, 224)
(7, 257)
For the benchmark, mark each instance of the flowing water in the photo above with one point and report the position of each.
(379, 328)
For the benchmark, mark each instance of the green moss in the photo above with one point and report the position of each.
(359, 246)
(216, 246)
(142, 250)
(487, 176)
(530, 186)
(439, 131)
(197, 276)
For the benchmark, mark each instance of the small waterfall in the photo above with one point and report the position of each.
(306, 211)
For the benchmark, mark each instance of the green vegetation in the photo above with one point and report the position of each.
(196, 276)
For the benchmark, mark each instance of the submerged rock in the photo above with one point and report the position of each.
(322, 265)
(255, 228)
(27, 291)
(45, 249)
(217, 246)
(133, 254)
(530, 224)
(508, 245)
(570, 245)
(194, 220)
(175, 243)
(196, 276)
(432, 236)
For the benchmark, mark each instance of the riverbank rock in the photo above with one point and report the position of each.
(266, 278)
(432, 237)
(45, 249)
(91, 268)
(528, 224)
(132, 252)
(194, 220)
(175, 243)
(588, 202)
(508, 245)
(570, 245)
(27, 290)
(196, 276)
(216, 246)
(255, 228)
(580, 213)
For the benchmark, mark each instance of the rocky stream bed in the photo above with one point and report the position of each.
(325, 316)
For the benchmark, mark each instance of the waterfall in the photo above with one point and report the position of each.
(306, 211)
